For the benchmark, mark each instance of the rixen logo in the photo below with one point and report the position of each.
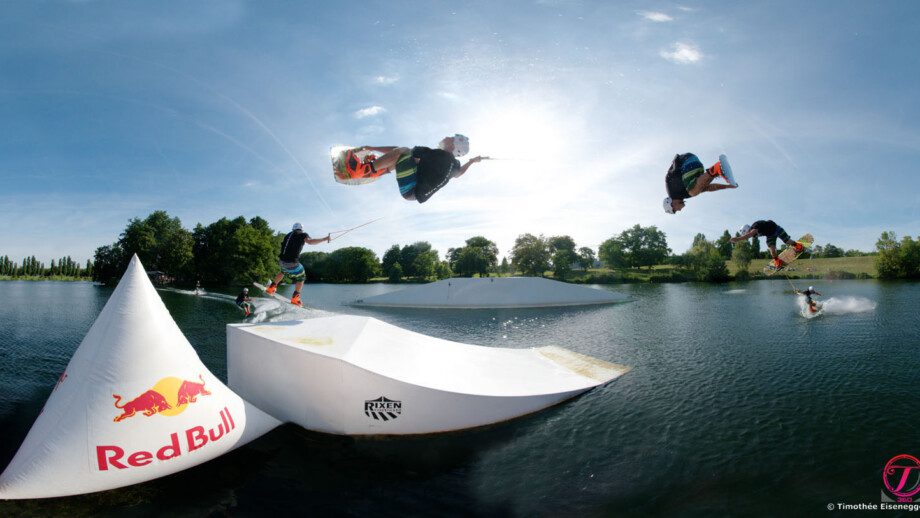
(382, 409)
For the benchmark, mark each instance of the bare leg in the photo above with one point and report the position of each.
(278, 278)
(386, 163)
(772, 250)
(298, 286)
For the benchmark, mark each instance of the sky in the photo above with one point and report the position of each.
(110, 110)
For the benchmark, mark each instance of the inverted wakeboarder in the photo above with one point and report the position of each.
(289, 260)
(771, 231)
(686, 179)
(420, 171)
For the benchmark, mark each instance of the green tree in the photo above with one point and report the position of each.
(235, 251)
(831, 251)
(586, 257)
(443, 270)
(743, 254)
(530, 255)
(479, 255)
(315, 265)
(390, 257)
(109, 263)
(562, 262)
(504, 268)
(897, 259)
(560, 243)
(160, 243)
(396, 272)
(425, 264)
(724, 245)
(637, 247)
(706, 262)
(611, 254)
(353, 264)
(408, 254)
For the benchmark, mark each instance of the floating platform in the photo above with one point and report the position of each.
(354, 375)
(493, 292)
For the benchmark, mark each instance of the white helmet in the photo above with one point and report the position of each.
(461, 144)
(667, 205)
(297, 226)
(744, 230)
(245, 290)
(811, 288)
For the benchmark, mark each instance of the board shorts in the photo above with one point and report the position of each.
(690, 170)
(780, 233)
(406, 174)
(293, 270)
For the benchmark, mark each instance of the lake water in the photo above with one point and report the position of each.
(736, 404)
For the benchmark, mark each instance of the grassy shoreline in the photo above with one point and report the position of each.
(65, 278)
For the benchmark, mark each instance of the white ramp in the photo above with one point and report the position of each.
(360, 376)
(493, 292)
(135, 403)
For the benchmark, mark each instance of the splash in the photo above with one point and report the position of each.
(846, 305)
(735, 292)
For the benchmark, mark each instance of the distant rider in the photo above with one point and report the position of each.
(422, 171)
(244, 302)
(685, 179)
(289, 260)
(812, 304)
(771, 231)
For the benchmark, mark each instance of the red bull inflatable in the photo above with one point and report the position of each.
(135, 403)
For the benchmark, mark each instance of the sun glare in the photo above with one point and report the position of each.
(518, 133)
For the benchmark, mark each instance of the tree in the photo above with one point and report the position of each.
(504, 268)
(315, 265)
(556, 243)
(706, 262)
(235, 251)
(443, 270)
(160, 243)
(586, 258)
(408, 254)
(724, 245)
(562, 262)
(425, 264)
(353, 264)
(530, 255)
(390, 258)
(897, 259)
(642, 246)
(395, 273)
(480, 255)
(743, 254)
(109, 263)
(611, 254)
(831, 251)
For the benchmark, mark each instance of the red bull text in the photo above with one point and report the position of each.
(111, 456)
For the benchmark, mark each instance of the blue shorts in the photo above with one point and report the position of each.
(293, 270)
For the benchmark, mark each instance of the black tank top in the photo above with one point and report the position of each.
(674, 181)
(292, 246)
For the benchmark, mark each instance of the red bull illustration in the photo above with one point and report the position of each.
(189, 391)
(169, 396)
(148, 403)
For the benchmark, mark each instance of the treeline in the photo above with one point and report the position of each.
(31, 267)
(228, 251)
(897, 259)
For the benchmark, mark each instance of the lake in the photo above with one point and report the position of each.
(736, 404)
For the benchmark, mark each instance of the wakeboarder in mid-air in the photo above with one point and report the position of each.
(420, 171)
(687, 178)
(289, 260)
(771, 231)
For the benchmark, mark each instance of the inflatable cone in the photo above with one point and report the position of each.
(135, 403)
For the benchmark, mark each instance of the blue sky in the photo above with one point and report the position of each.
(111, 110)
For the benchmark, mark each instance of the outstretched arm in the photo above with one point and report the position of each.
(318, 241)
(380, 149)
(751, 233)
(464, 167)
(717, 187)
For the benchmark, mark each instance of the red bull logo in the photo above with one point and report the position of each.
(112, 456)
(169, 396)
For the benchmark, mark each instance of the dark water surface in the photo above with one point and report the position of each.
(736, 404)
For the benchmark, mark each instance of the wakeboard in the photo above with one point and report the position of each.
(788, 255)
(727, 171)
(275, 295)
(351, 165)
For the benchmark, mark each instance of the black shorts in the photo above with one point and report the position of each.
(780, 233)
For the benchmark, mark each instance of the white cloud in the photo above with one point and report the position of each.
(386, 80)
(655, 16)
(450, 96)
(370, 111)
(686, 9)
(683, 53)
